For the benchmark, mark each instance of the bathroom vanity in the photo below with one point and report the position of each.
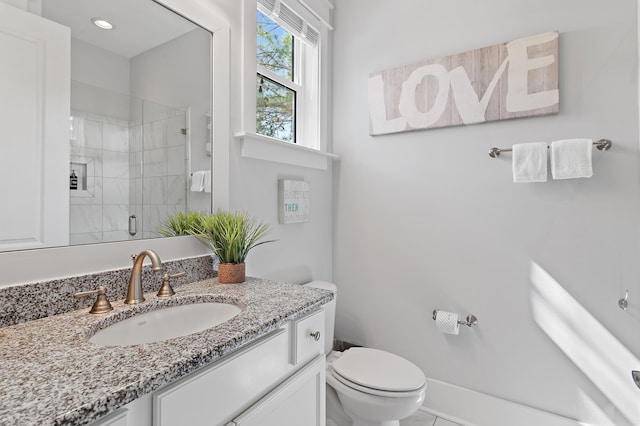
(265, 366)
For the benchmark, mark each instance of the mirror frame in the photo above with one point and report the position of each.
(56, 262)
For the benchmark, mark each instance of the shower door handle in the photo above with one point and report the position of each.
(133, 225)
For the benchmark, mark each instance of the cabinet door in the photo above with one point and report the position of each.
(298, 401)
(34, 118)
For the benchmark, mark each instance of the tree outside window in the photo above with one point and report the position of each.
(275, 84)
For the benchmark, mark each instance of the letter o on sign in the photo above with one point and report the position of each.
(407, 104)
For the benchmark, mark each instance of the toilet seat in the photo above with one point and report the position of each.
(378, 373)
(333, 378)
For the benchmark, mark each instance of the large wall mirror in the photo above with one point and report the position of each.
(103, 128)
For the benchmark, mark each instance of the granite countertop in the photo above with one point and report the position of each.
(51, 375)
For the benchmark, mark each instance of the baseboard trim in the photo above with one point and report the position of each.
(471, 408)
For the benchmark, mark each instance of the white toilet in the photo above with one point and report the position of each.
(367, 387)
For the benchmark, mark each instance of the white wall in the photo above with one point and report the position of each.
(99, 67)
(427, 219)
(302, 251)
(100, 81)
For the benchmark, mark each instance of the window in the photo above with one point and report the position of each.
(287, 87)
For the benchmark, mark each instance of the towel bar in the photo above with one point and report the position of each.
(602, 145)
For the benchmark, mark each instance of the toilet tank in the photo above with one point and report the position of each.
(329, 312)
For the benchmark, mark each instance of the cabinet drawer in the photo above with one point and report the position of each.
(299, 401)
(214, 395)
(118, 418)
(308, 337)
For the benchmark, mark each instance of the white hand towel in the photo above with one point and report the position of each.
(207, 181)
(197, 181)
(530, 162)
(77, 131)
(571, 158)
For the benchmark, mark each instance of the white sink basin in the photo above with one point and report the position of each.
(164, 324)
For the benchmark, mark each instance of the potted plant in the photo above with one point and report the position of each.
(230, 236)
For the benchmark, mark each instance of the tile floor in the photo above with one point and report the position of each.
(422, 418)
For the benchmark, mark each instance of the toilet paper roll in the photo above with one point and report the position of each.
(447, 322)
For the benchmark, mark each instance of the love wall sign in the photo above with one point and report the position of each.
(504, 81)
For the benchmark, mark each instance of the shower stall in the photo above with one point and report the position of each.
(130, 159)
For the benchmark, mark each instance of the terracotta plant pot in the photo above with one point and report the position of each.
(230, 273)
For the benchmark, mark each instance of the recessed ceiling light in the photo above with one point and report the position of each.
(102, 23)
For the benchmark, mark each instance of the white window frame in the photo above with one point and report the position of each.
(312, 131)
(303, 85)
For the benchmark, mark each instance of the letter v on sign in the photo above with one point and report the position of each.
(471, 109)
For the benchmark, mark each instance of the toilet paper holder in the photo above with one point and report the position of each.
(470, 322)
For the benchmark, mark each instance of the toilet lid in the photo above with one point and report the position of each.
(376, 369)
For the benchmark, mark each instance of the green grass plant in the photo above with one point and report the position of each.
(231, 235)
(181, 224)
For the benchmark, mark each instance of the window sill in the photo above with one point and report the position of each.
(269, 149)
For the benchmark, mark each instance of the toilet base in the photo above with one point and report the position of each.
(335, 414)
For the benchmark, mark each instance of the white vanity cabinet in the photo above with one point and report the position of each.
(279, 379)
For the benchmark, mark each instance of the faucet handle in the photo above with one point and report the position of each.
(101, 304)
(166, 290)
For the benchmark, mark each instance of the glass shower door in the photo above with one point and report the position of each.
(160, 187)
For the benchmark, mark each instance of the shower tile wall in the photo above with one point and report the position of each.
(117, 154)
(99, 211)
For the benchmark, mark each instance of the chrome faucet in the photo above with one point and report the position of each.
(135, 292)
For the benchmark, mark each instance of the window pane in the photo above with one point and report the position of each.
(274, 47)
(275, 108)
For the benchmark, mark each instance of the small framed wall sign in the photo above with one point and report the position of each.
(293, 201)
